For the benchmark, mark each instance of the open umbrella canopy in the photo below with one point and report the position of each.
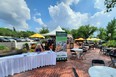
(37, 36)
(80, 39)
(94, 39)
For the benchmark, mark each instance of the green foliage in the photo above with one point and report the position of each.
(14, 33)
(109, 5)
(83, 31)
(74, 33)
(111, 29)
(44, 30)
(102, 33)
(3, 47)
(67, 30)
(6, 32)
(86, 31)
(110, 43)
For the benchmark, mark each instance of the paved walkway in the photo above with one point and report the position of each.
(64, 69)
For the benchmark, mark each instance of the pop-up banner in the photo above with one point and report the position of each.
(61, 46)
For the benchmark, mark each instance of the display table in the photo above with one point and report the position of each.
(27, 61)
(61, 56)
(78, 51)
(102, 71)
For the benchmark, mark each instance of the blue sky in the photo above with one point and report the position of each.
(34, 14)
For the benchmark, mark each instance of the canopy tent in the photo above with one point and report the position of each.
(94, 39)
(53, 33)
(80, 39)
(37, 36)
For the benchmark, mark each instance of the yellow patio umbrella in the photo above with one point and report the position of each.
(37, 36)
(93, 39)
(80, 39)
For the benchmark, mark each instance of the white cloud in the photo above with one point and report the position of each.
(39, 20)
(14, 12)
(102, 18)
(99, 4)
(70, 2)
(64, 16)
(37, 14)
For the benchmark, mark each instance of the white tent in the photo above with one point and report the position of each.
(53, 33)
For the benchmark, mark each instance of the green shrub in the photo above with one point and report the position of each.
(2, 47)
(110, 43)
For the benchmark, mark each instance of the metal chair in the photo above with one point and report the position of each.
(113, 58)
(83, 53)
(73, 53)
(98, 62)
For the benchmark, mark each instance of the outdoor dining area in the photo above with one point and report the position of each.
(87, 67)
(93, 64)
(80, 58)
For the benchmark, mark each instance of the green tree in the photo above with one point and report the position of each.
(44, 30)
(14, 33)
(74, 33)
(111, 29)
(86, 31)
(6, 32)
(102, 33)
(67, 30)
(110, 4)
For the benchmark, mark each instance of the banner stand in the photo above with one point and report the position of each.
(61, 46)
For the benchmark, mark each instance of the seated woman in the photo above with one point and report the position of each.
(38, 48)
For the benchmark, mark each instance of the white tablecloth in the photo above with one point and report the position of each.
(102, 71)
(10, 65)
(78, 51)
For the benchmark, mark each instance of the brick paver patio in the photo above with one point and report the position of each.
(64, 69)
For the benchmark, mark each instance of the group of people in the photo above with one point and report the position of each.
(49, 45)
(39, 47)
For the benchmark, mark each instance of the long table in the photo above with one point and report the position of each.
(10, 65)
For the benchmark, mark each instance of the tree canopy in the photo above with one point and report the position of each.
(102, 33)
(83, 31)
(67, 30)
(110, 4)
(111, 30)
(86, 31)
(14, 33)
(44, 30)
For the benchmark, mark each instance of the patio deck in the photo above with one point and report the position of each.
(64, 69)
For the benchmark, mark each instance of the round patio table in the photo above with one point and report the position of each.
(102, 71)
(78, 51)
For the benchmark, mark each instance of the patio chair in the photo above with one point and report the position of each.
(113, 58)
(98, 62)
(75, 73)
(103, 50)
(82, 55)
(73, 53)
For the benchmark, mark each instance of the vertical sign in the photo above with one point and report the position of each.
(61, 41)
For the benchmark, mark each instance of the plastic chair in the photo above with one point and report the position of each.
(98, 62)
(113, 58)
(73, 53)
